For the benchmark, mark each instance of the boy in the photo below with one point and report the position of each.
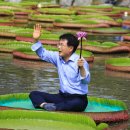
(73, 73)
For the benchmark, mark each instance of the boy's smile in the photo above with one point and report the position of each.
(65, 51)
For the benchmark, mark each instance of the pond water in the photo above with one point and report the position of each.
(18, 76)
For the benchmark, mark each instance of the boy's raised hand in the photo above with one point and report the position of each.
(37, 32)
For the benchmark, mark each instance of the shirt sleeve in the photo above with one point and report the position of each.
(48, 56)
(86, 79)
(36, 46)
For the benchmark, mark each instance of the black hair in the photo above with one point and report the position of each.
(71, 40)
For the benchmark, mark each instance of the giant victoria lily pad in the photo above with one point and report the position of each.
(100, 109)
(118, 64)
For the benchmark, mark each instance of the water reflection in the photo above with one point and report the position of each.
(106, 37)
(106, 84)
(31, 64)
(24, 76)
(117, 74)
(119, 126)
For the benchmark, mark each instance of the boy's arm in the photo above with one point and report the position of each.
(84, 71)
(44, 54)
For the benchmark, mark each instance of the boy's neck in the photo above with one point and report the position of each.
(66, 58)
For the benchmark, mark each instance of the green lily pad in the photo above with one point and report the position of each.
(118, 61)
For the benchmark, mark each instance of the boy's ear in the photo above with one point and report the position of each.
(71, 48)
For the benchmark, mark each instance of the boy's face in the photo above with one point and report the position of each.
(64, 50)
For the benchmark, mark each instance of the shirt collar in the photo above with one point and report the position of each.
(72, 58)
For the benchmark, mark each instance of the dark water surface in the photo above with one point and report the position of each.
(24, 76)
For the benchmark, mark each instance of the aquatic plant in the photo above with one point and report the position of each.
(118, 64)
(105, 109)
(96, 16)
(57, 11)
(101, 44)
(112, 30)
(46, 120)
(19, 31)
(98, 6)
(76, 21)
(27, 49)
(122, 9)
(109, 102)
(6, 12)
(85, 53)
(118, 61)
(13, 45)
(43, 17)
(43, 35)
(36, 1)
(48, 117)
(5, 20)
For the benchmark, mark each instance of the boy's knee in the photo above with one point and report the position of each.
(33, 93)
